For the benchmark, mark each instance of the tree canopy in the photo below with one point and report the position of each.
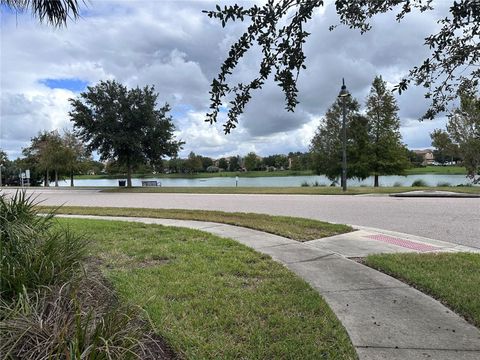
(277, 27)
(326, 145)
(124, 125)
(464, 129)
(388, 155)
(46, 153)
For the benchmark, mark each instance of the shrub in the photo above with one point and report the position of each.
(305, 184)
(49, 308)
(75, 321)
(418, 183)
(443, 184)
(33, 254)
(397, 184)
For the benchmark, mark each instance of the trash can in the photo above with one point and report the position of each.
(122, 182)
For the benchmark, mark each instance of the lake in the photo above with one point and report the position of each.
(280, 181)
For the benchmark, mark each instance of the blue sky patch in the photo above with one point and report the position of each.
(75, 85)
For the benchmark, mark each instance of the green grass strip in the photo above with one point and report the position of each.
(295, 228)
(306, 190)
(453, 278)
(439, 170)
(213, 298)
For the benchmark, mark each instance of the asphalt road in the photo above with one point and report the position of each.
(455, 220)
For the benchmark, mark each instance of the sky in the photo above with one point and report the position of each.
(178, 49)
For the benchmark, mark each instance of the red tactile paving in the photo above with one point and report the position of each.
(402, 242)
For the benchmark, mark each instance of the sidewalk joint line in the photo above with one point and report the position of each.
(309, 260)
(278, 245)
(369, 288)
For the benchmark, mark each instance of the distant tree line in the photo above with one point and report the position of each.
(130, 133)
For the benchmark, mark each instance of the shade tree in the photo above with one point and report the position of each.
(124, 125)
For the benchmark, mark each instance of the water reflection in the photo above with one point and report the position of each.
(282, 181)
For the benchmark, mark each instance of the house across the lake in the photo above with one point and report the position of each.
(427, 156)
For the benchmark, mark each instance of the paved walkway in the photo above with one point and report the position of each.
(385, 318)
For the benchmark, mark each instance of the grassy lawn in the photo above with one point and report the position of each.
(452, 278)
(319, 190)
(299, 229)
(212, 298)
(441, 170)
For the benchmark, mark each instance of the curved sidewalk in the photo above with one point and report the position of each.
(385, 318)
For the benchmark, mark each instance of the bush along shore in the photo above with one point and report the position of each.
(55, 303)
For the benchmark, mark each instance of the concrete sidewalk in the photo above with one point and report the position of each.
(385, 318)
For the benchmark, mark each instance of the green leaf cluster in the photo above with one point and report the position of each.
(374, 144)
(277, 28)
(124, 125)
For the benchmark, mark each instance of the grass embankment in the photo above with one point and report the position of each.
(310, 190)
(452, 278)
(439, 170)
(231, 174)
(212, 298)
(299, 229)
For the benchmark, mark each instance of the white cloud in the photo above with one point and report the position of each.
(176, 47)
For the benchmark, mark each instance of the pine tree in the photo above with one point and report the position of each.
(326, 145)
(388, 155)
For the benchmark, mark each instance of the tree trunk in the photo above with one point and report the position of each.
(46, 181)
(129, 175)
(56, 178)
(376, 181)
(71, 178)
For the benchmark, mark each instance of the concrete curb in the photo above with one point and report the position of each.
(434, 194)
(385, 318)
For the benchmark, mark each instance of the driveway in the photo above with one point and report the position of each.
(455, 220)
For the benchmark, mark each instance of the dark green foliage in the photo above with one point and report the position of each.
(277, 27)
(279, 161)
(251, 161)
(45, 154)
(193, 164)
(326, 145)
(124, 125)
(223, 164)
(464, 129)
(416, 160)
(419, 183)
(234, 164)
(445, 149)
(358, 148)
(388, 156)
(32, 253)
(300, 161)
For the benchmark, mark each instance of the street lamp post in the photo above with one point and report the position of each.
(344, 94)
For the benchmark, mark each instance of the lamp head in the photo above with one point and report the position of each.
(343, 92)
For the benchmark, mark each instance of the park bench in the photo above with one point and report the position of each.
(151, 183)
